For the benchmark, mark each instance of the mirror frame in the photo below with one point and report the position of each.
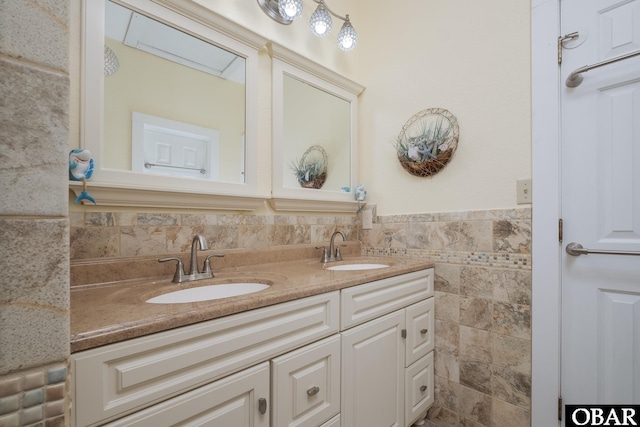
(111, 187)
(287, 62)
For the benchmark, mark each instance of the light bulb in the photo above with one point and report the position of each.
(320, 21)
(347, 37)
(290, 9)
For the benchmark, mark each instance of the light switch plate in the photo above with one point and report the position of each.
(523, 187)
(367, 219)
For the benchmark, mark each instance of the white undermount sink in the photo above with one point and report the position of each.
(352, 267)
(206, 293)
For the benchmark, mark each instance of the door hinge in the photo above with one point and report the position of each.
(560, 224)
(562, 39)
(560, 408)
(404, 333)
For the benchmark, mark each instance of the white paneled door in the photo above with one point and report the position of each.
(600, 362)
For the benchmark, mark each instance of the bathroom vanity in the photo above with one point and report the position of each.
(318, 348)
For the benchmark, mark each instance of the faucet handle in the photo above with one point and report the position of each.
(206, 268)
(325, 254)
(179, 274)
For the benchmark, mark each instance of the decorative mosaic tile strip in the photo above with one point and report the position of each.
(491, 214)
(498, 260)
(33, 398)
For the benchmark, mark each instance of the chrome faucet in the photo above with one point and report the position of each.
(334, 252)
(194, 274)
(198, 238)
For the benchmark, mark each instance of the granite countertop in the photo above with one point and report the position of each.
(106, 313)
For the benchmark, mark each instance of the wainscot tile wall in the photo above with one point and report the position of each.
(483, 309)
(115, 235)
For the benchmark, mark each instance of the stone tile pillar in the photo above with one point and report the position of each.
(34, 225)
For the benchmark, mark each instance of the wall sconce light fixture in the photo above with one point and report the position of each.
(286, 11)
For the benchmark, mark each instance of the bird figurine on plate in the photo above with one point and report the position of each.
(81, 169)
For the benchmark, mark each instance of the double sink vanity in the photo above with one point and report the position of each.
(345, 343)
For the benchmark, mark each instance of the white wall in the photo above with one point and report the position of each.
(472, 58)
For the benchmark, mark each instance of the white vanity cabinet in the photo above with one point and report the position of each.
(355, 357)
(119, 379)
(387, 362)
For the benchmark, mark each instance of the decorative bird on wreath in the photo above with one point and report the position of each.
(81, 169)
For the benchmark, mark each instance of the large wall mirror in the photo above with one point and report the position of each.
(170, 105)
(314, 136)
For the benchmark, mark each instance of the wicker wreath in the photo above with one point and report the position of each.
(311, 170)
(427, 141)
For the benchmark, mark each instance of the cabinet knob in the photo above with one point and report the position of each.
(262, 405)
(313, 391)
(423, 388)
(424, 331)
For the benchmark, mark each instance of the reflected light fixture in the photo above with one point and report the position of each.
(111, 63)
(285, 11)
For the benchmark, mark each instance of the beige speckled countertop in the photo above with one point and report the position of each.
(105, 313)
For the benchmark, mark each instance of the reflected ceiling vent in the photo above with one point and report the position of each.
(146, 34)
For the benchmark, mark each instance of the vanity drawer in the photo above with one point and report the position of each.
(130, 375)
(365, 302)
(419, 388)
(231, 401)
(306, 385)
(420, 326)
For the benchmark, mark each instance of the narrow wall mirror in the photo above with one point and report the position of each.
(170, 100)
(315, 132)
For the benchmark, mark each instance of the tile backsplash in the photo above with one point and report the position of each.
(117, 234)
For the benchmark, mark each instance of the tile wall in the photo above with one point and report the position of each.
(35, 397)
(117, 234)
(483, 309)
(34, 226)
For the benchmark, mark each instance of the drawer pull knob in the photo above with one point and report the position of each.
(313, 391)
(262, 405)
(424, 331)
(423, 388)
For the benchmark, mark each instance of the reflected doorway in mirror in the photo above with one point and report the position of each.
(168, 147)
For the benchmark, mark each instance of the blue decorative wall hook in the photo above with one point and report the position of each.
(81, 169)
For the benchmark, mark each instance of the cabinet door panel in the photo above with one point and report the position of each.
(306, 384)
(420, 321)
(419, 388)
(373, 373)
(232, 401)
